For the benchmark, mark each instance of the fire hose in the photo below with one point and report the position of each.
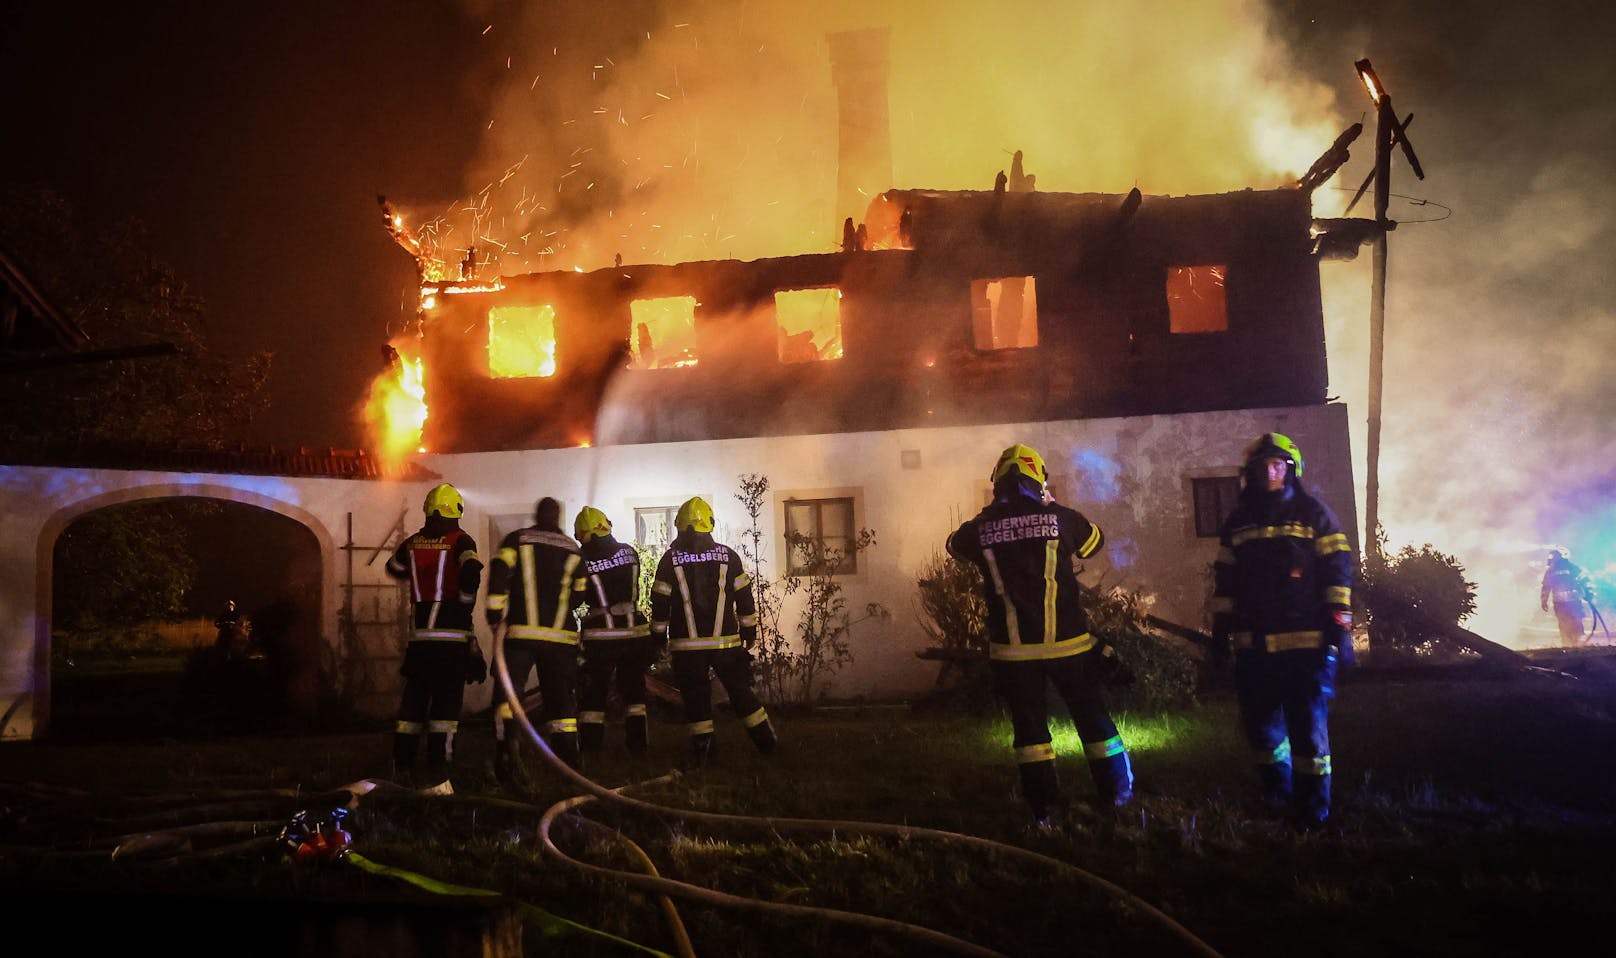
(703, 895)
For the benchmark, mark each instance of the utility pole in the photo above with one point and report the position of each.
(1388, 133)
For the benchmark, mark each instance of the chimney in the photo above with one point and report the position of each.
(859, 66)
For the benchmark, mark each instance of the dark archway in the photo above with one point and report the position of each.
(136, 588)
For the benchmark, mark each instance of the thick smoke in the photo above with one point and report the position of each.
(668, 132)
(1499, 396)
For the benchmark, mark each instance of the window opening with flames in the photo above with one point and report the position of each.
(664, 332)
(1004, 313)
(1195, 299)
(809, 322)
(521, 341)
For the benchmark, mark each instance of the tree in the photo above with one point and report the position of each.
(111, 285)
(1412, 597)
(122, 566)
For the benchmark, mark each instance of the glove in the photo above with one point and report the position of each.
(476, 665)
(1338, 632)
(1112, 670)
(749, 636)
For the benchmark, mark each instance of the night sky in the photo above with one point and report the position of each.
(253, 139)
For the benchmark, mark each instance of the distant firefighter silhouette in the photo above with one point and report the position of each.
(1567, 586)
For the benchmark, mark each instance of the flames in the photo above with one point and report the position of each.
(521, 341)
(395, 411)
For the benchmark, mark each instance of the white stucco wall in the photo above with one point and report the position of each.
(1131, 476)
(41, 502)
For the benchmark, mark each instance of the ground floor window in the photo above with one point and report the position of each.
(653, 525)
(1214, 498)
(820, 530)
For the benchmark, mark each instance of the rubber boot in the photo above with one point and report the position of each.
(565, 745)
(1041, 789)
(1311, 799)
(505, 761)
(437, 760)
(703, 749)
(763, 737)
(1276, 783)
(592, 736)
(1113, 779)
(405, 745)
(636, 731)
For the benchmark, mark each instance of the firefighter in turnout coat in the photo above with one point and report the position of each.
(440, 563)
(1282, 601)
(535, 584)
(1025, 545)
(702, 606)
(1567, 586)
(616, 634)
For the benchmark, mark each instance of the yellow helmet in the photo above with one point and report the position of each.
(590, 523)
(445, 500)
(1022, 459)
(1273, 445)
(695, 514)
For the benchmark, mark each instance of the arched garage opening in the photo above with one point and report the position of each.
(137, 581)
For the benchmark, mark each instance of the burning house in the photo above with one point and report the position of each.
(1139, 342)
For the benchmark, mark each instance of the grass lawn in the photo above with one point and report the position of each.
(1473, 817)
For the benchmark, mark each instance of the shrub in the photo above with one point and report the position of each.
(1149, 672)
(1412, 599)
(790, 672)
(1154, 672)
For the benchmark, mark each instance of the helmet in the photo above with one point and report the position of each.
(1273, 445)
(445, 500)
(1022, 459)
(590, 523)
(695, 515)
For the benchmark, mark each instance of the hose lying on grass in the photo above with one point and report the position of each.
(697, 893)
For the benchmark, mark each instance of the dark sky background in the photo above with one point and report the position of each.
(252, 139)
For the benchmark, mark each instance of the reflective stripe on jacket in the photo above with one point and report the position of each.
(536, 580)
(1025, 550)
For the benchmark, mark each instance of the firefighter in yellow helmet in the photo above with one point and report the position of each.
(702, 606)
(616, 634)
(535, 584)
(441, 564)
(1025, 545)
(1569, 588)
(1282, 600)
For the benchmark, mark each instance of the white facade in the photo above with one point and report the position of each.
(1131, 476)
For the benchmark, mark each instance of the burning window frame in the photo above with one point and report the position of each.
(835, 347)
(985, 306)
(1192, 282)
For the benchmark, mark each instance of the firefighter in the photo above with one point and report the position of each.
(535, 585)
(230, 642)
(702, 606)
(1568, 587)
(1025, 545)
(1282, 599)
(616, 634)
(444, 571)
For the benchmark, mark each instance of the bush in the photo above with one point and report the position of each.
(1412, 599)
(1149, 671)
(1154, 672)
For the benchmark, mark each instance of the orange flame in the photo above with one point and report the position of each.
(396, 411)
